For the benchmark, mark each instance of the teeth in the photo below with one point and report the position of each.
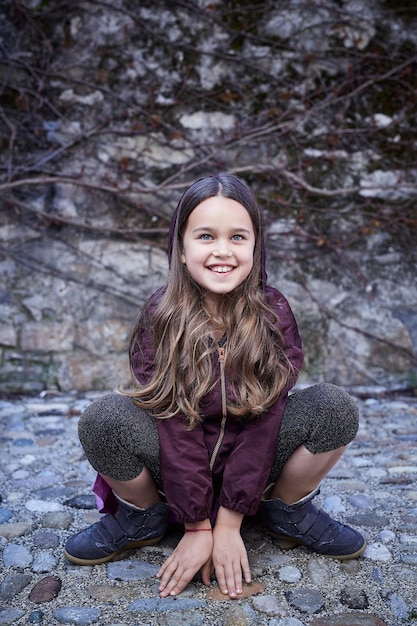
(221, 269)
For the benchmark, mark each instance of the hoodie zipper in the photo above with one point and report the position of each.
(220, 438)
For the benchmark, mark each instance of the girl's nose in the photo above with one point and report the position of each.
(222, 252)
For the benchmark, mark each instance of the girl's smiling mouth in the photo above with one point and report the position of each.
(220, 269)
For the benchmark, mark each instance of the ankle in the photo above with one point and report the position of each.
(293, 497)
(133, 505)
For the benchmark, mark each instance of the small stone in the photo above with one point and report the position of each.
(334, 504)
(46, 589)
(36, 617)
(76, 615)
(349, 619)
(11, 530)
(287, 621)
(10, 616)
(146, 605)
(377, 574)
(13, 585)
(43, 506)
(5, 515)
(354, 598)
(131, 570)
(105, 593)
(82, 502)
(240, 615)
(248, 590)
(411, 559)
(289, 574)
(360, 501)
(351, 567)
(305, 600)
(185, 618)
(57, 519)
(398, 606)
(318, 571)
(369, 520)
(44, 562)
(55, 492)
(377, 552)
(270, 605)
(22, 441)
(46, 539)
(16, 556)
(387, 536)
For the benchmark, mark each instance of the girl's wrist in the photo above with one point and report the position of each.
(204, 525)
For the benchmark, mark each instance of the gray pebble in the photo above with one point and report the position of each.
(287, 621)
(10, 616)
(76, 615)
(377, 574)
(305, 600)
(43, 506)
(318, 571)
(411, 559)
(240, 615)
(57, 519)
(82, 502)
(354, 598)
(398, 607)
(12, 585)
(44, 562)
(387, 536)
(185, 618)
(334, 504)
(270, 605)
(46, 539)
(289, 574)
(378, 552)
(16, 556)
(165, 604)
(361, 501)
(131, 570)
(5, 515)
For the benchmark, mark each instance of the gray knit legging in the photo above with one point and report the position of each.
(119, 439)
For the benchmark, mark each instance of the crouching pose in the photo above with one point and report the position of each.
(210, 434)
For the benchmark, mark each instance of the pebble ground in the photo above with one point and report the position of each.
(46, 496)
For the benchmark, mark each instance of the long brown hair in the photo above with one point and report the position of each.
(181, 331)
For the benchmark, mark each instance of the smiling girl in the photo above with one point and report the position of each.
(210, 434)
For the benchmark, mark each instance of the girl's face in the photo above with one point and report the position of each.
(218, 245)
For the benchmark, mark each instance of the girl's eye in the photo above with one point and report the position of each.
(206, 237)
(237, 237)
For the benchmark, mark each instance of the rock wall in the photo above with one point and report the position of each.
(138, 101)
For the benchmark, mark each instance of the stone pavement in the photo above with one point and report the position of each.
(45, 497)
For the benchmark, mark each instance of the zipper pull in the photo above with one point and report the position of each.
(221, 353)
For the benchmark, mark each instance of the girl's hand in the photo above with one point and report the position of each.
(193, 551)
(229, 554)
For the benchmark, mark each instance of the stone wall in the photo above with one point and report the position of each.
(144, 99)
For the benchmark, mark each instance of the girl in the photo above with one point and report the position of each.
(210, 429)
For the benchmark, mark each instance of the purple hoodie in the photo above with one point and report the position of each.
(241, 452)
(225, 460)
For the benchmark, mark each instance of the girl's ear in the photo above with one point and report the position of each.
(183, 258)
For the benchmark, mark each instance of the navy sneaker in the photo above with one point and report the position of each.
(303, 523)
(128, 528)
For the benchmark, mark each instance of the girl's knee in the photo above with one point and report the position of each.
(105, 417)
(330, 415)
(339, 402)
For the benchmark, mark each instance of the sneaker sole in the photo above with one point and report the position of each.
(288, 543)
(113, 555)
